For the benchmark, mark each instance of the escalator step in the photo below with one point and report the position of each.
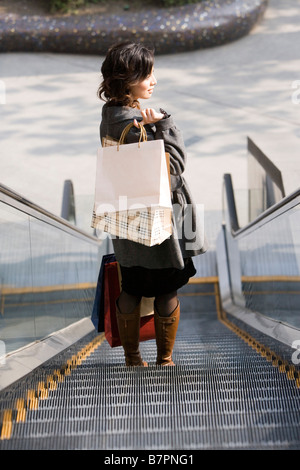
(220, 395)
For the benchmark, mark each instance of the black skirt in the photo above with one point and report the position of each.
(146, 282)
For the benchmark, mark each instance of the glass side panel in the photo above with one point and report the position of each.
(269, 267)
(47, 277)
(15, 273)
(263, 191)
(84, 204)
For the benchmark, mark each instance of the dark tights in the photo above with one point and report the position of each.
(165, 304)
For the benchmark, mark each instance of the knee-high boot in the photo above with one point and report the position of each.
(165, 331)
(129, 331)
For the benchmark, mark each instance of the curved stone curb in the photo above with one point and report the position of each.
(169, 30)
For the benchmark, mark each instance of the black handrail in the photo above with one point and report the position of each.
(68, 202)
(234, 223)
(28, 205)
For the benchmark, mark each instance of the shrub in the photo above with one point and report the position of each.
(66, 5)
(174, 3)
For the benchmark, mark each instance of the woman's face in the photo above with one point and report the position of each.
(144, 89)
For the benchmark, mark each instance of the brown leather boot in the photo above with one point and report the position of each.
(129, 331)
(165, 331)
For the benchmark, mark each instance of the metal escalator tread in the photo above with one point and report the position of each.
(220, 395)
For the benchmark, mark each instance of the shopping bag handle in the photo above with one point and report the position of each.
(143, 134)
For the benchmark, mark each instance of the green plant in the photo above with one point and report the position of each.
(68, 5)
(55, 5)
(176, 3)
(65, 5)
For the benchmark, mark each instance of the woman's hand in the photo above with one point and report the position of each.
(150, 116)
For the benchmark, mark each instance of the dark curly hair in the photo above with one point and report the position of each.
(125, 64)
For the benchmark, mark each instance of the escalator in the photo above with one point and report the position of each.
(236, 382)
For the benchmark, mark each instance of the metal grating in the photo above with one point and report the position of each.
(220, 395)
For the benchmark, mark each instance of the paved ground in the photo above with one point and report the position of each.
(49, 123)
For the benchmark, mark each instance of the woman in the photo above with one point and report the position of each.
(157, 271)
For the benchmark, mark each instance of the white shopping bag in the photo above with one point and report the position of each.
(132, 194)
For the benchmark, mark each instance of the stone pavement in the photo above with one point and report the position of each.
(218, 96)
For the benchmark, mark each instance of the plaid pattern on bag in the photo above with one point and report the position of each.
(149, 226)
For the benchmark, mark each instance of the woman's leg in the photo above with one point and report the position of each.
(166, 319)
(165, 304)
(127, 302)
(128, 319)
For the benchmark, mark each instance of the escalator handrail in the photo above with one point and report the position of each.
(52, 218)
(229, 192)
(286, 200)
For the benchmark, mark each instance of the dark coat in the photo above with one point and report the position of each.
(171, 252)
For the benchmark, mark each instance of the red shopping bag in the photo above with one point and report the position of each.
(111, 293)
